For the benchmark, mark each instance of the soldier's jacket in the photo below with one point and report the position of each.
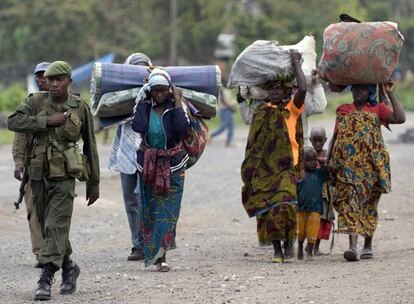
(31, 117)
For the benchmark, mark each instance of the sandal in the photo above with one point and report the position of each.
(366, 253)
(277, 260)
(163, 267)
(351, 255)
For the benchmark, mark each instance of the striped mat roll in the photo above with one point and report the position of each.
(111, 77)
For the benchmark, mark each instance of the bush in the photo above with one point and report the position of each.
(11, 97)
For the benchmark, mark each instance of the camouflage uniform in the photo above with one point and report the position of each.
(52, 185)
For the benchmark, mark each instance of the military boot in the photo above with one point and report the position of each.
(44, 284)
(70, 273)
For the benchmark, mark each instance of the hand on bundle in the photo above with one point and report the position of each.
(296, 56)
(388, 87)
(316, 78)
(177, 92)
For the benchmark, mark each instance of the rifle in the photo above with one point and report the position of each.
(25, 179)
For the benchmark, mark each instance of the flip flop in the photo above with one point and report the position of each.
(351, 255)
(163, 267)
(366, 253)
(277, 260)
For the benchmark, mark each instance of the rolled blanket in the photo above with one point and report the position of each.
(109, 77)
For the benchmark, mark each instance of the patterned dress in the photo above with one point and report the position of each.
(364, 171)
(160, 212)
(269, 174)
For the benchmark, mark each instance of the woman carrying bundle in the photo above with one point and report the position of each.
(270, 169)
(358, 151)
(163, 122)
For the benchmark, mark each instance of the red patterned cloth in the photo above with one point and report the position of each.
(360, 53)
(157, 168)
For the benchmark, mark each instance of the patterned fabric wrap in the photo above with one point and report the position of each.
(363, 174)
(360, 53)
(269, 176)
(157, 168)
(196, 139)
(160, 218)
(355, 217)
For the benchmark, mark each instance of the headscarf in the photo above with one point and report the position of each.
(372, 90)
(136, 58)
(157, 77)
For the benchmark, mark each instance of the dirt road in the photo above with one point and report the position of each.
(218, 259)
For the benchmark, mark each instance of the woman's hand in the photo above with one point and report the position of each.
(178, 96)
(177, 93)
(388, 87)
(296, 56)
(316, 78)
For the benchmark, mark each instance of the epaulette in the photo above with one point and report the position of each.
(76, 97)
(39, 95)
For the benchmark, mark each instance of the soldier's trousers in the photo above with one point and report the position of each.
(34, 224)
(53, 201)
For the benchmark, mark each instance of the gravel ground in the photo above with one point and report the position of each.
(218, 259)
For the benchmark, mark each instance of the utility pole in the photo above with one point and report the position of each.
(173, 32)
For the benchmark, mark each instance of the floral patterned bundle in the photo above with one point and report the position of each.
(360, 53)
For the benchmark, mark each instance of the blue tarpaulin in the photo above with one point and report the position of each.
(84, 72)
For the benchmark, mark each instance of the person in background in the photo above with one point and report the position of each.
(315, 102)
(123, 158)
(226, 115)
(357, 149)
(161, 119)
(272, 163)
(21, 142)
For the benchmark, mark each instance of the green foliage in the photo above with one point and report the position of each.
(78, 30)
(6, 137)
(11, 97)
(405, 93)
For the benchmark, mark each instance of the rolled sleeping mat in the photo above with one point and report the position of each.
(122, 103)
(111, 77)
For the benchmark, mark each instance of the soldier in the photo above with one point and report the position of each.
(20, 144)
(58, 120)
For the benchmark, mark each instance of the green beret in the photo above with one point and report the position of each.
(58, 68)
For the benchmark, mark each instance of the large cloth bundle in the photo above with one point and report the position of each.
(260, 62)
(360, 53)
(307, 48)
(109, 77)
(121, 103)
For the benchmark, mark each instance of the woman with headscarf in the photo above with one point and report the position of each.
(272, 163)
(122, 158)
(358, 152)
(161, 119)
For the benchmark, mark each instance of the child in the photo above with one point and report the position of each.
(318, 140)
(269, 170)
(310, 201)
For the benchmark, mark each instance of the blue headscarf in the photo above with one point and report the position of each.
(372, 98)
